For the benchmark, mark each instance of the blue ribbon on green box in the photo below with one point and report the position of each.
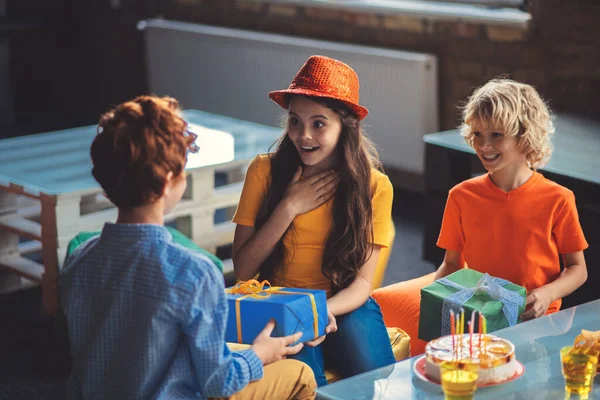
(499, 300)
(494, 287)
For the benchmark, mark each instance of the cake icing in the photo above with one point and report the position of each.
(495, 356)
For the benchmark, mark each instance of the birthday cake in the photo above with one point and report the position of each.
(495, 356)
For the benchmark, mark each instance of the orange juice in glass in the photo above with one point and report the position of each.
(579, 369)
(459, 379)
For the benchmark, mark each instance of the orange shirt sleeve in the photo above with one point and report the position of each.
(451, 234)
(567, 230)
(254, 191)
(382, 210)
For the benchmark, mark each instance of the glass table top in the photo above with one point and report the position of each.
(537, 344)
(59, 162)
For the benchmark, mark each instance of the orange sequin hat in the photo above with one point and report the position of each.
(322, 76)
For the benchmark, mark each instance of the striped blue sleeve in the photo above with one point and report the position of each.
(219, 372)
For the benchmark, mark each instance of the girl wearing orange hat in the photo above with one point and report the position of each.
(316, 212)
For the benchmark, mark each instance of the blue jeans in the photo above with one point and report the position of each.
(360, 344)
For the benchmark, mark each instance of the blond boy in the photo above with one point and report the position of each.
(512, 222)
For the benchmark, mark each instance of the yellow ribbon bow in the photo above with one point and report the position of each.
(263, 290)
(252, 287)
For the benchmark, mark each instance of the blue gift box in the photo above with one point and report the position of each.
(292, 309)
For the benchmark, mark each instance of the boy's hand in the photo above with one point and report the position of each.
(270, 349)
(330, 328)
(307, 194)
(537, 303)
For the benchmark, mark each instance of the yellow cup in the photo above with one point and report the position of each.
(579, 369)
(459, 379)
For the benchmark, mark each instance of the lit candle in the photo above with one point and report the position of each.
(452, 331)
(480, 329)
(484, 326)
(484, 332)
(462, 329)
(471, 329)
(471, 339)
(457, 331)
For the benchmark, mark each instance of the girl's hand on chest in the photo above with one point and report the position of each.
(304, 195)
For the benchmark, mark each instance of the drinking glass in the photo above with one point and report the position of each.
(579, 369)
(459, 379)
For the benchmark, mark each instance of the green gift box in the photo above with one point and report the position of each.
(500, 301)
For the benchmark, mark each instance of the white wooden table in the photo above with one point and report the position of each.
(48, 194)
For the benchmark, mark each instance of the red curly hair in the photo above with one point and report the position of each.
(138, 143)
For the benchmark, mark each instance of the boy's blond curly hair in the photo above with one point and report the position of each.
(519, 110)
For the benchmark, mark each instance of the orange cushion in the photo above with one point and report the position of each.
(400, 304)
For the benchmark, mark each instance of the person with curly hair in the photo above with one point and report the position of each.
(512, 222)
(146, 316)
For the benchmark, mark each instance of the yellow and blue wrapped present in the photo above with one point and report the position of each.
(252, 304)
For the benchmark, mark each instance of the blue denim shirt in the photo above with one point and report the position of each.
(146, 320)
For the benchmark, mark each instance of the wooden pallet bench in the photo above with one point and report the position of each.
(48, 195)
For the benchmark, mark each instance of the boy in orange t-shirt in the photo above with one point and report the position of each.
(512, 222)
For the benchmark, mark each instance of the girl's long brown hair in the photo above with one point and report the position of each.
(348, 243)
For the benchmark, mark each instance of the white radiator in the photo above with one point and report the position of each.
(230, 71)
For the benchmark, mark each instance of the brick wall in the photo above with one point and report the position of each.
(90, 55)
(557, 53)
